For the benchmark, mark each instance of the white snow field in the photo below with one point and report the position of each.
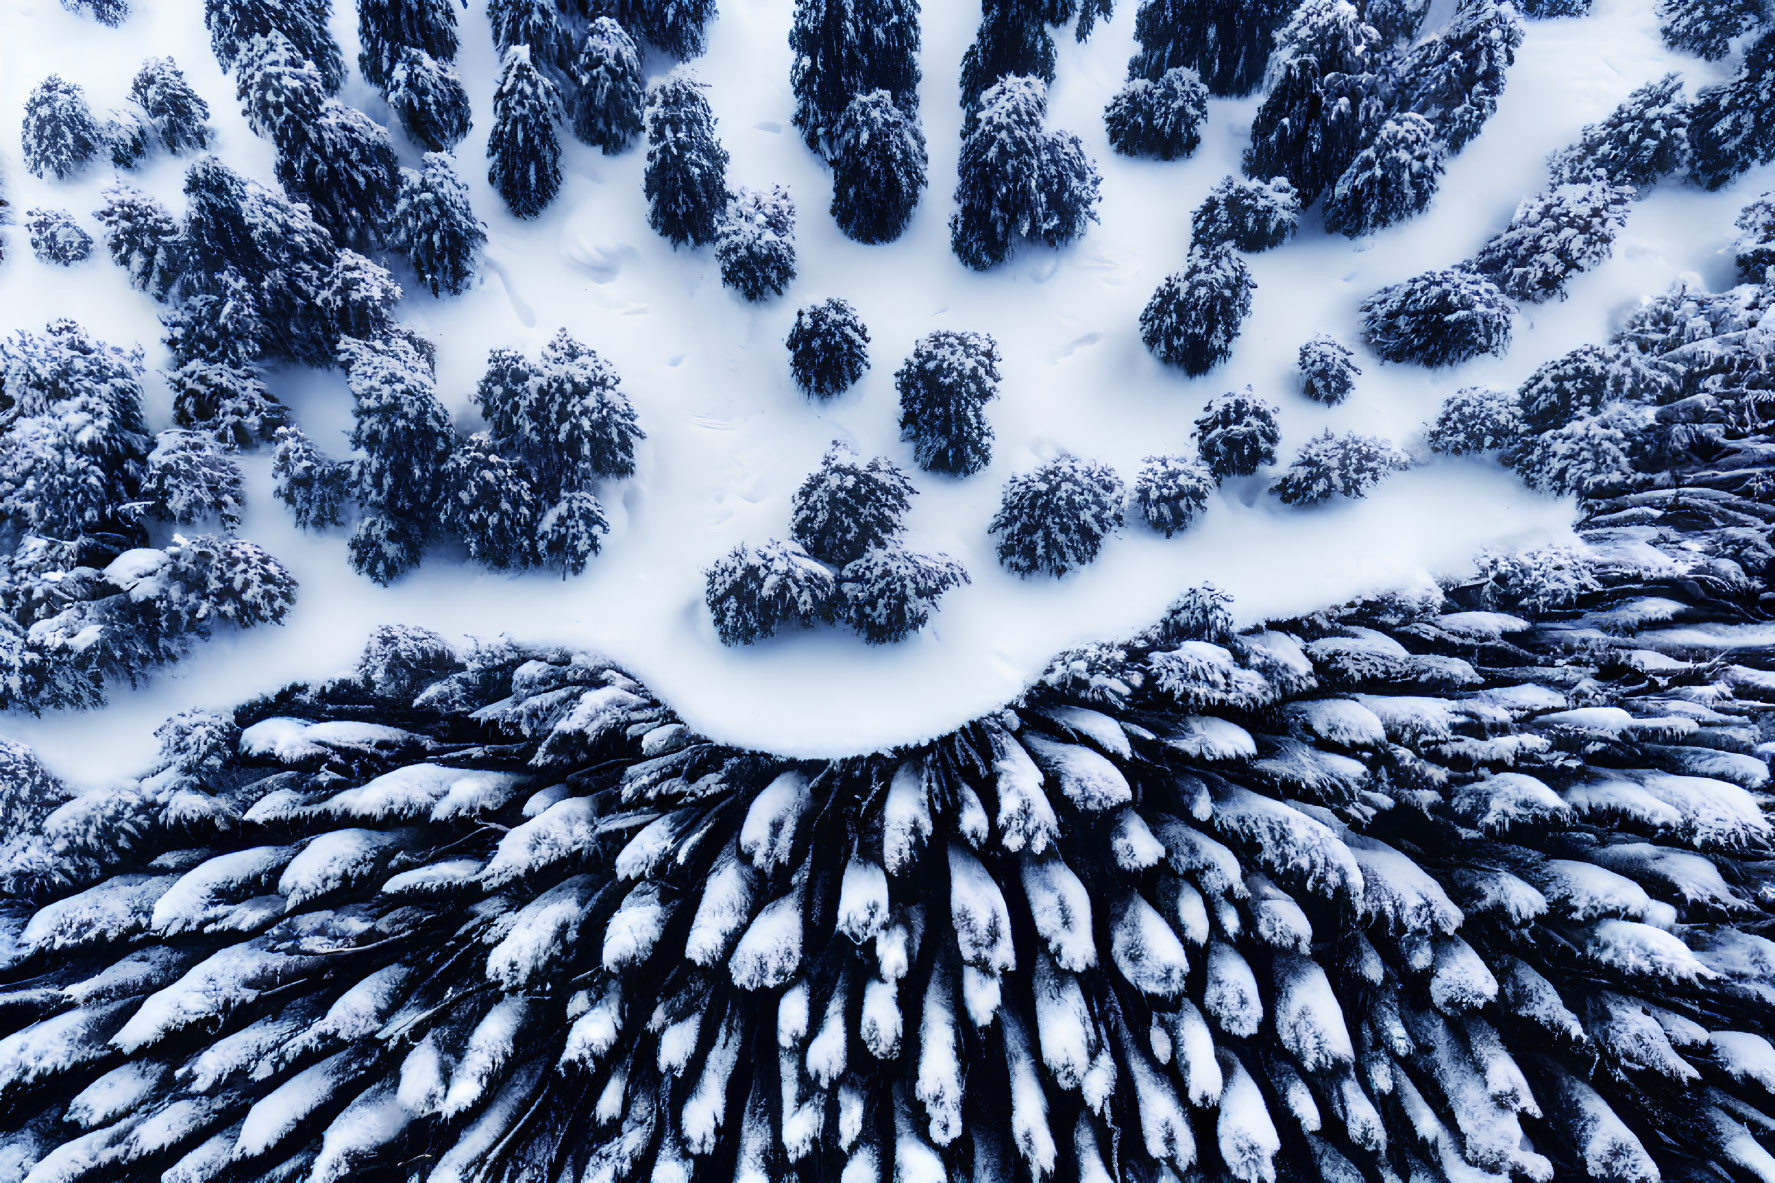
(730, 438)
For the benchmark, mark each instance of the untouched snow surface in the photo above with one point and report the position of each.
(730, 438)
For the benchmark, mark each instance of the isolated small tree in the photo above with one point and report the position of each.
(524, 150)
(1249, 215)
(178, 113)
(1643, 140)
(1161, 118)
(1338, 466)
(428, 96)
(944, 387)
(564, 415)
(535, 23)
(1227, 42)
(436, 228)
(686, 178)
(888, 593)
(571, 531)
(488, 502)
(1439, 318)
(754, 593)
(755, 243)
(384, 548)
(142, 238)
(1732, 125)
(60, 134)
(611, 91)
(190, 478)
(828, 348)
(316, 490)
(1553, 237)
(1754, 248)
(1055, 518)
(56, 237)
(231, 404)
(1476, 420)
(388, 29)
(1391, 180)
(846, 507)
(1328, 370)
(1171, 492)
(878, 168)
(1194, 317)
(1707, 28)
(847, 48)
(1236, 434)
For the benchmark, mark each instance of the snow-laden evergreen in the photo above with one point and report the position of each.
(676, 27)
(233, 25)
(686, 179)
(1706, 28)
(178, 114)
(1393, 178)
(1476, 419)
(430, 99)
(1171, 492)
(434, 225)
(1554, 236)
(828, 348)
(756, 592)
(1454, 77)
(755, 243)
(610, 88)
(1012, 42)
(1754, 249)
(524, 149)
(1330, 465)
(1236, 433)
(1055, 518)
(1439, 318)
(533, 23)
(142, 237)
(1160, 117)
(847, 507)
(878, 168)
(1227, 42)
(944, 387)
(315, 488)
(60, 134)
(390, 31)
(888, 593)
(847, 48)
(1642, 141)
(1249, 215)
(1328, 370)
(56, 237)
(1195, 315)
(1732, 125)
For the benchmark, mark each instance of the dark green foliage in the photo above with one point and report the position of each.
(828, 348)
(1055, 518)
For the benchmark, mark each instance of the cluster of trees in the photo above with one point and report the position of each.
(60, 134)
(1707, 28)
(1461, 882)
(405, 50)
(86, 597)
(519, 494)
(844, 564)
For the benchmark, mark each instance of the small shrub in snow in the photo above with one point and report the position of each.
(1338, 466)
(142, 238)
(944, 387)
(1171, 492)
(1553, 237)
(887, 593)
(1162, 118)
(878, 168)
(60, 134)
(1706, 28)
(429, 98)
(229, 403)
(828, 348)
(848, 507)
(1194, 317)
(611, 90)
(488, 502)
(1644, 139)
(1249, 215)
(524, 150)
(1328, 370)
(1236, 433)
(436, 228)
(383, 548)
(56, 237)
(1390, 180)
(1475, 420)
(571, 531)
(1054, 519)
(755, 593)
(686, 177)
(316, 489)
(191, 478)
(1754, 248)
(755, 244)
(177, 112)
(1439, 318)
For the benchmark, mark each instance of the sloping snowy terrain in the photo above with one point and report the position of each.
(729, 437)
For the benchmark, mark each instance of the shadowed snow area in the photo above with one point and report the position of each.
(730, 438)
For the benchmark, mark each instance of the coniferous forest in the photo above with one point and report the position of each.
(851, 591)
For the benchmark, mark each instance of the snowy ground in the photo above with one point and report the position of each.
(729, 437)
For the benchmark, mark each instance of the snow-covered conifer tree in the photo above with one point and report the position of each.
(1707, 28)
(384, 548)
(888, 593)
(1439, 318)
(1195, 315)
(847, 48)
(106, 12)
(564, 416)
(1732, 125)
(755, 243)
(60, 133)
(142, 238)
(222, 325)
(1338, 466)
(359, 297)
(1227, 42)
(1390, 180)
(403, 430)
(1590, 378)
(1476, 419)
(231, 404)
(279, 90)
(1453, 78)
(1055, 518)
(686, 178)
(535, 23)
(430, 99)
(610, 89)
(524, 149)
(878, 168)
(1016, 180)
(435, 227)
(1012, 42)
(316, 489)
(1311, 125)
(191, 478)
(1396, 20)
(1237, 433)
(1161, 118)
(1554, 236)
(343, 166)
(56, 237)
(828, 348)
(1754, 248)
(233, 24)
(1328, 370)
(127, 137)
(1590, 455)
(944, 388)
(177, 112)
(1171, 492)
(1548, 9)
(1249, 215)
(1643, 140)
(487, 501)
(571, 531)
(676, 27)
(757, 592)
(387, 29)
(847, 507)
